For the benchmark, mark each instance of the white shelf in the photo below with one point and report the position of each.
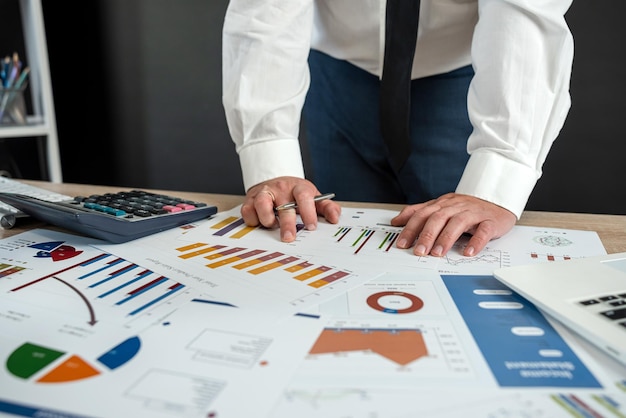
(43, 121)
(35, 126)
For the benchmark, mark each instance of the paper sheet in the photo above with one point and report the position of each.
(218, 319)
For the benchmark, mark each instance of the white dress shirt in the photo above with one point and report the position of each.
(521, 51)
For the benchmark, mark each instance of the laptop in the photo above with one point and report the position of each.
(588, 295)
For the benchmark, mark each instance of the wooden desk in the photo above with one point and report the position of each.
(610, 228)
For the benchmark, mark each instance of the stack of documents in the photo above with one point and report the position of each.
(219, 319)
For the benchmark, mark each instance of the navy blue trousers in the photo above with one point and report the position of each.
(347, 151)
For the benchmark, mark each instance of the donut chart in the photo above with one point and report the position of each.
(395, 302)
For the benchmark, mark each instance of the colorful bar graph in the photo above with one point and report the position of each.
(312, 273)
(342, 232)
(549, 257)
(108, 265)
(146, 293)
(140, 276)
(227, 225)
(172, 289)
(115, 274)
(191, 246)
(257, 260)
(328, 279)
(198, 251)
(227, 251)
(298, 267)
(272, 266)
(365, 236)
(9, 271)
(387, 243)
(242, 232)
(234, 259)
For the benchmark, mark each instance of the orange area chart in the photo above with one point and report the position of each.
(401, 346)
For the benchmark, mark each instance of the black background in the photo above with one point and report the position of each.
(137, 92)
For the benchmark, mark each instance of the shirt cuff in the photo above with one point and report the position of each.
(265, 160)
(496, 179)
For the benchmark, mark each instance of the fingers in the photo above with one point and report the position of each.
(485, 232)
(287, 220)
(330, 210)
(306, 207)
(258, 208)
(309, 211)
(434, 230)
(413, 219)
(262, 200)
(441, 231)
(434, 227)
(264, 207)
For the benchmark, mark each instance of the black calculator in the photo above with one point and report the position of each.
(114, 217)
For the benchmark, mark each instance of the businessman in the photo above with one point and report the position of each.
(488, 95)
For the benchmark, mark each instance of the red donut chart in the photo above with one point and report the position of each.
(416, 303)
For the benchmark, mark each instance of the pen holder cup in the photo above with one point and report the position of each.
(12, 106)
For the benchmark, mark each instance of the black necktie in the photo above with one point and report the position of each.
(395, 88)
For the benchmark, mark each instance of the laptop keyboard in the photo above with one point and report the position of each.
(612, 307)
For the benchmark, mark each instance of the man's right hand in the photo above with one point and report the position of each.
(261, 199)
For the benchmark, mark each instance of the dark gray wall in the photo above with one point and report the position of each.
(165, 64)
(154, 81)
(586, 168)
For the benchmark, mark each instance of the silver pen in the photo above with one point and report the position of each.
(294, 205)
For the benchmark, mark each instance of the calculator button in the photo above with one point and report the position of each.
(172, 209)
(185, 206)
(136, 202)
(142, 213)
(114, 212)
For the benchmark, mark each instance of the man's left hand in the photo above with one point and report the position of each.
(434, 226)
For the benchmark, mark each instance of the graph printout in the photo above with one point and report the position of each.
(87, 333)
(248, 266)
(410, 330)
(406, 345)
(45, 274)
(216, 319)
(364, 241)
